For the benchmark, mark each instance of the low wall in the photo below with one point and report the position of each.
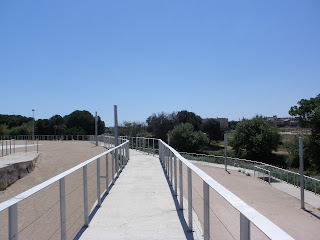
(10, 172)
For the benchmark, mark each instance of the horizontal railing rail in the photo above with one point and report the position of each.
(120, 156)
(168, 157)
(10, 146)
(290, 177)
(264, 171)
(46, 137)
(144, 144)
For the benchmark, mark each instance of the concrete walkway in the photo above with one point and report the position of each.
(139, 206)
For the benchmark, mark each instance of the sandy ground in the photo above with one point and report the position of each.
(39, 215)
(281, 208)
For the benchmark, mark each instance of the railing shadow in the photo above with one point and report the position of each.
(187, 232)
(96, 208)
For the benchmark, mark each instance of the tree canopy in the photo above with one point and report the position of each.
(255, 138)
(189, 117)
(132, 129)
(213, 130)
(160, 124)
(306, 110)
(76, 123)
(184, 138)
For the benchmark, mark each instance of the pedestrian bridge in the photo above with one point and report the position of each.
(147, 192)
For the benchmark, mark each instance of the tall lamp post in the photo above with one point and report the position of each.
(33, 127)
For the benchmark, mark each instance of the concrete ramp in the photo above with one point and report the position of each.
(139, 206)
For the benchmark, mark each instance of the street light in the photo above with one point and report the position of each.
(33, 127)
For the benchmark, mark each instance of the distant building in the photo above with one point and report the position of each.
(224, 123)
(283, 121)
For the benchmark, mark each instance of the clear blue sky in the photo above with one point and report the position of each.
(229, 59)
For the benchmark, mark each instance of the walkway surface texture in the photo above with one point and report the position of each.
(139, 206)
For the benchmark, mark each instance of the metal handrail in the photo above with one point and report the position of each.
(260, 168)
(12, 204)
(314, 185)
(247, 213)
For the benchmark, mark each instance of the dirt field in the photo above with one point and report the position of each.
(279, 207)
(39, 215)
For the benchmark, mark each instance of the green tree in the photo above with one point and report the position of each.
(43, 127)
(255, 138)
(84, 120)
(306, 110)
(55, 127)
(213, 130)
(24, 129)
(293, 150)
(184, 138)
(132, 129)
(3, 129)
(189, 117)
(160, 124)
(57, 121)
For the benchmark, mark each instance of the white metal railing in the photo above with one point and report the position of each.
(119, 158)
(169, 157)
(290, 177)
(148, 145)
(9, 146)
(265, 173)
(46, 137)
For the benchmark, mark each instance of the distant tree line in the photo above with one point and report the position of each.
(187, 130)
(76, 123)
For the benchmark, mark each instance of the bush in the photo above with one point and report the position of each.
(213, 130)
(184, 138)
(255, 139)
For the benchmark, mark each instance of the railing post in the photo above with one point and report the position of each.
(128, 154)
(170, 168)
(190, 198)
(107, 174)
(244, 228)
(98, 183)
(13, 222)
(113, 161)
(143, 144)
(153, 147)
(117, 161)
(122, 156)
(85, 196)
(206, 221)
(225, 152)
(301, 171)
(181, 184)
(168, 163)
(137, 143)
(175, 175)
(63, 223)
